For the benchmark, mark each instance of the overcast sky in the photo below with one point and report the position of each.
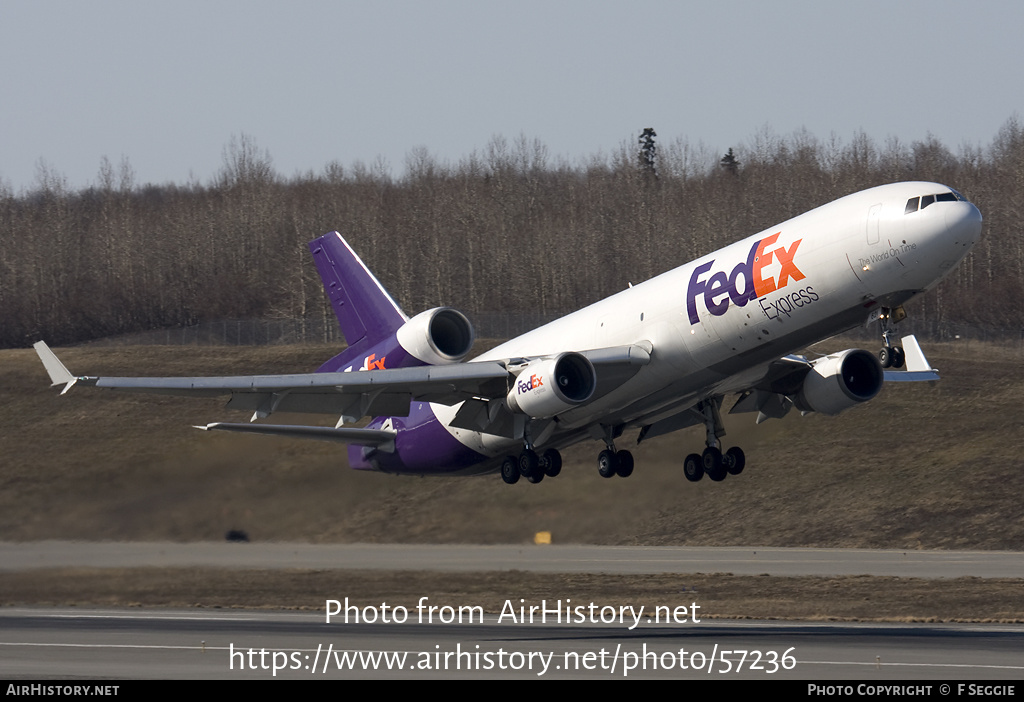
(166, 85)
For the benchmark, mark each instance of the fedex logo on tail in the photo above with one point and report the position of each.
(370, 364)
(746, 282)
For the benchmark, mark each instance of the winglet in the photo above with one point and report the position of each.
(918, 367)
(915, 356)
(59, 374)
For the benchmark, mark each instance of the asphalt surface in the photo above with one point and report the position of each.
(603, 642)
(126, 644)
(546, 558)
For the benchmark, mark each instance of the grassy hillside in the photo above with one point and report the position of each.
(921, 466)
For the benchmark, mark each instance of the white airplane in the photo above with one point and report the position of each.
(652, 359)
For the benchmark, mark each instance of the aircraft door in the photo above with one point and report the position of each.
(874, 224)
(865, 253)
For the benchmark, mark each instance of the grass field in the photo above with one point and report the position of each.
(921, 466)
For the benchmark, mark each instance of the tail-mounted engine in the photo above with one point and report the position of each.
(840, 381)
(438, 336)
(548, 386)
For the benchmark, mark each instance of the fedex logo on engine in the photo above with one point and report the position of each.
(528, 385)
(746, 282)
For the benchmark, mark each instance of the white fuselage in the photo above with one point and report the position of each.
(715, 323)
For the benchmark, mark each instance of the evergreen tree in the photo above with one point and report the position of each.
(729, 162)
(647, 157)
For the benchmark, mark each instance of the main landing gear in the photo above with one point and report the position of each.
(611, 462)
(713, 462)
(534, 467)
(531, 466)
(891, 356)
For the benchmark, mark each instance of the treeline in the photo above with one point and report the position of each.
(505, 229)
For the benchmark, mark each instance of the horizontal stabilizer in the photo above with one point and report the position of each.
(379, 439)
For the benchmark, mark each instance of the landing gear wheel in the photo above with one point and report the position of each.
(551, 462)
(711, 459)
(624, 469)
(510, 470)
(899, 357)
(606, 463)
(528, 463)
(734, 460)
(536, 476)
(713, 466)
(885, 357)
(693, 468)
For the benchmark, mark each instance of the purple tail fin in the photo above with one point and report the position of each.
(365, 310)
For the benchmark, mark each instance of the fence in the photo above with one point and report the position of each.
(488, 325)
(264, 332)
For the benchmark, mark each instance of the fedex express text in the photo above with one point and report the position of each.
(749, 281)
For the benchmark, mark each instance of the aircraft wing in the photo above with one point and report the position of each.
(355, 394)
(350, 395)
(771, 397)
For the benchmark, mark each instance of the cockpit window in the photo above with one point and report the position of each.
(915, 203)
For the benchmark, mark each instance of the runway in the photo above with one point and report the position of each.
(606, 642)
(545, 558)
(198, 644)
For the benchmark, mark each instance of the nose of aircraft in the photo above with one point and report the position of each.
(964, 223)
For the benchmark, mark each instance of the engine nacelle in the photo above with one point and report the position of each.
(438, 336)
(548, 386)
(840, 381)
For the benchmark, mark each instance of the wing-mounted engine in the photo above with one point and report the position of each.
(547, 386)
(438, 336)
(828, 385)
(542, 388)
(840, 381)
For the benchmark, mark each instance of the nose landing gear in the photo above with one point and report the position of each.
(891, 356)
